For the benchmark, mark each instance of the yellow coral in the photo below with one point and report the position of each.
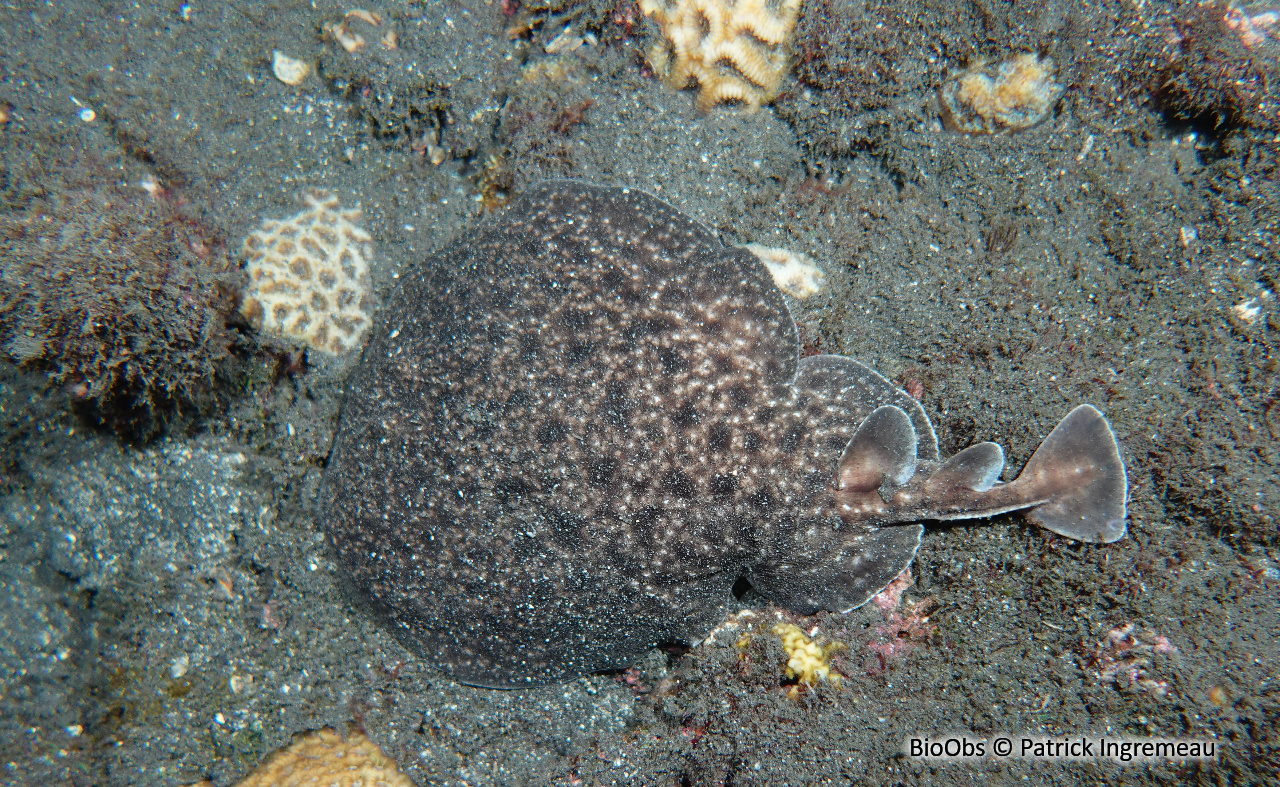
(808, 662)
(323, 757)
(734, 49)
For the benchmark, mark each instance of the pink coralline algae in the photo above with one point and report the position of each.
(891, 597)
(906, 624)
(1253, 28)
(1124, 656)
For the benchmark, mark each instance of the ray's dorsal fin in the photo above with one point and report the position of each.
(976, 468)
(881, 455)
(1080, 461)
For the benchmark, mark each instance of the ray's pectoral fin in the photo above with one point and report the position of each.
(1074, 484)
(840, 574)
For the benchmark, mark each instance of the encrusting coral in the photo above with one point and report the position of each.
(323, 757)
(309, 276)
(734, 50)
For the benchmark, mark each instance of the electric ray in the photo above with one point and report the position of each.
(583, 421)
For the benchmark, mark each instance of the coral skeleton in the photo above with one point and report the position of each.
(794, 272)
(1009, 96)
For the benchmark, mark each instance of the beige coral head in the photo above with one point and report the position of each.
(324, 757)
(309, 276)
(733, 50)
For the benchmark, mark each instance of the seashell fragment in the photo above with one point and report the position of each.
(352, 42)
(289, 70)
(567, 41)
(364, 16)
(793, 272)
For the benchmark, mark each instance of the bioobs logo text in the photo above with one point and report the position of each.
(946, 747)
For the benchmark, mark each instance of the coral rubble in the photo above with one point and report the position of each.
(1125, 658)
(734, 50)
(1221, 64)
(368, 66)
(309, 276)
(793, 272)
(1008, 96)
(906, 623)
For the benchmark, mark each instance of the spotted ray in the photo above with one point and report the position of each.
(583, 421)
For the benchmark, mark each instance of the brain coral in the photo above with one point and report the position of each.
(121, 298)
(736, 50)
(309, 276)
(1009, 96)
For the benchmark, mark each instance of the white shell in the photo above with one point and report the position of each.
(289, 70)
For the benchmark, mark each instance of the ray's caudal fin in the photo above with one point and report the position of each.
(1080, 461)
(1074, 484)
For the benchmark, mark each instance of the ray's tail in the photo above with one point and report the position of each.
(1074, 484)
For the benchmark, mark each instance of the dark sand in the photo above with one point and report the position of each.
(1094, 258)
